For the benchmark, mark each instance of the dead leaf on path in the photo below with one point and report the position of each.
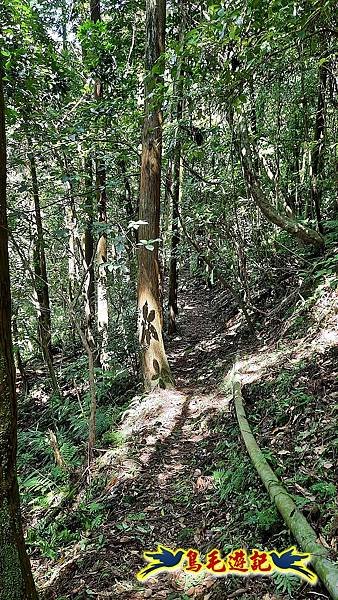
(305, 492)
(319, 450)
(203, 484)
(324, 542)
(196, 438)
(209, 582)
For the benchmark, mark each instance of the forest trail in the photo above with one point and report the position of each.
(161, 486)
(162, 490)
(202, 340)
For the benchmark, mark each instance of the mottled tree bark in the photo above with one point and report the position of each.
(156, 370)
(16, 581)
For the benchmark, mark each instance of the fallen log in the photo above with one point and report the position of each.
(293, 517)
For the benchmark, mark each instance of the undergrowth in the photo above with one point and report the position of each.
(63, 510)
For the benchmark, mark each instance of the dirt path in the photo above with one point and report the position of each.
(202, 343)
(173, 492)
(162, 491)
(161, 488)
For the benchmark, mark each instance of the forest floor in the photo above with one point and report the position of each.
(182, 478)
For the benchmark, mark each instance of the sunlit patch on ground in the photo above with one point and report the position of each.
(322, 335)
(154, 415)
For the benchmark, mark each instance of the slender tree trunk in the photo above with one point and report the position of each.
(95, 10)
(40, 268)
(73, 239)
(317, 159)
(71, 226)
(41, 280)
(88, 338)
(177, 188)
(16, 581)
(306, 208)
(64, 21)
(101, 195)
(91, 381)
(88, 254)
(16, 348)
(175, 241)
(239, 243)
(156, 370)
(102, 257)
(132, 237)
(128, 197)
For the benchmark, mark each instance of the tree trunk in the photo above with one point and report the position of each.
(16, 580)
(40, 268)
(91, 380)
(131, 212)
(16, 349)
(101, 195)
(156, 370)
(71, 226)
(177, 187)
(303, 233)
(40, 279)
(317, 158)
(88, 254)
(175, 240)
(88, 338)
(102, 257)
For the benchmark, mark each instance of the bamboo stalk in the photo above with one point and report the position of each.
(295, 520)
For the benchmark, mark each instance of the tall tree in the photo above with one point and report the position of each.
(40, 265)
(156, 370)
(177, 186)
(317, 159)
(41, 286)
(101, 195)
(88, 338)
(72, 229)
(16, 581)
(88, 253)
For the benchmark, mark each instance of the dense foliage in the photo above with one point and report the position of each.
(248, 93)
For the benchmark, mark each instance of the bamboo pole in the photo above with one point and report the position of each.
(295, 520)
